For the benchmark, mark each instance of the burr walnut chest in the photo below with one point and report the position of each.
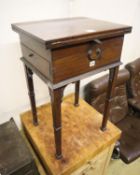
(64, 51)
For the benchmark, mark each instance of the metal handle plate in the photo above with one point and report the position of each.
(94, 53)
(97, 54)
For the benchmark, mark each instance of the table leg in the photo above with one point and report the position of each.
(113, 72)
(56, 99)
(77, 87)
(31, 93)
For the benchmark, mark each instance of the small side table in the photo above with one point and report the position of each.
(64, 51)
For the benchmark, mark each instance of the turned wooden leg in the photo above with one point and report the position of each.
(113, 72)
(77, 87)
(30, 85)
(56, 99)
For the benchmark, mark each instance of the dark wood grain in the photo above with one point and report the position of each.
(38, 62)
(77, 91)
(70, 80)
(56, 99)
(73, 60)
(113, 72)
(55, 33)
(30, 85)
(36, 46)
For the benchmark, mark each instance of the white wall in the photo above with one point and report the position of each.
(13, 91)
(119, 11)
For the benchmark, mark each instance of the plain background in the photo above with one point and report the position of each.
(13, 91)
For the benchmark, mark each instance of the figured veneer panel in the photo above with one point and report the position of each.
(72, 61)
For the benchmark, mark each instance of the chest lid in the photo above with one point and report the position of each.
(14, 154)
(59, 32)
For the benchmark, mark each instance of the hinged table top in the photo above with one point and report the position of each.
(58, 32)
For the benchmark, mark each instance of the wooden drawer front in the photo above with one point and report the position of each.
(95, 166)
(37, 61)
(73, 61)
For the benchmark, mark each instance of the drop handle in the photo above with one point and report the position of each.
(97, 56)
(97, 52)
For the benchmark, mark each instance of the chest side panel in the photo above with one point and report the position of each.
(42, 65)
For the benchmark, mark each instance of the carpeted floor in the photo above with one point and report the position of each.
(117, 167)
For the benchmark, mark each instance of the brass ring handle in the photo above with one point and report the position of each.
(98, 53)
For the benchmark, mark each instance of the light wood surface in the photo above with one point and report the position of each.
(97, 165)
(82, 138)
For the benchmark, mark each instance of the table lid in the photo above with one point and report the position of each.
(59, 32)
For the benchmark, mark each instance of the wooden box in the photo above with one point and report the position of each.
(15, 158)
(61, 51)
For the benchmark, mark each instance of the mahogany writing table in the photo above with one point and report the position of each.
(64, 51)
